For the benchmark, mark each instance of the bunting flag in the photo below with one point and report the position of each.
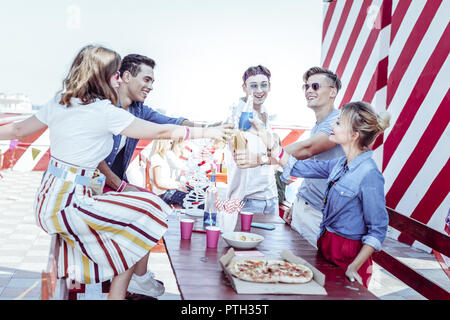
(5, 146)
(35, 152)
(394, 55)
(13, 144)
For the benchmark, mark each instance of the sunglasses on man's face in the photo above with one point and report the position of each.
(315, 86)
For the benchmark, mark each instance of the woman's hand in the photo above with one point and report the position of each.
(130, 187)
(352, 270)
(219, 133)
(352, 273)
(182, 187)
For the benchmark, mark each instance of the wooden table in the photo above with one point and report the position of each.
(200, 277)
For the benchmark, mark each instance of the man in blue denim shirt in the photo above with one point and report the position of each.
(137, 82)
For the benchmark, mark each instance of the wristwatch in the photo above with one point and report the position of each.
(264, 159)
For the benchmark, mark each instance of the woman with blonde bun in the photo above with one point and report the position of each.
(355, 219)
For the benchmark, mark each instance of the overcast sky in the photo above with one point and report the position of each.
(201, 48)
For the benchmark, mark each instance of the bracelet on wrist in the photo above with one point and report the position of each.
(281, 154)
(277, 154)
(122, 186)
(188, 133)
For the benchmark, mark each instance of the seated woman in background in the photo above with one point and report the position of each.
(163, 184)
(177, 165)
(355, 219)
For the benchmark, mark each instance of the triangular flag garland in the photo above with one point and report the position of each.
(35, 153)
(13, 144)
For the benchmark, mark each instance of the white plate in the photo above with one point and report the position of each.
(232, 238)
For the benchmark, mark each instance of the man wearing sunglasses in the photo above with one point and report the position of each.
(320, 87)
(137, 76)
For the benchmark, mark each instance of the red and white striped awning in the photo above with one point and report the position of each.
(394, 55)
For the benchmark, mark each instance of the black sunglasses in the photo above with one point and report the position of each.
(315, 86)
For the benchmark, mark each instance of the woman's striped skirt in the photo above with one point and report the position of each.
(103, 235)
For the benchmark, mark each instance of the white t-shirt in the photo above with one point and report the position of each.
(176, 164)
(157, 161)
(82, 135)
(252, 183)
(123, 141)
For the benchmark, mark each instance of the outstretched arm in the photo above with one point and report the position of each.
(141, 129)
(21, 129)
(305, 149)
(189, 123)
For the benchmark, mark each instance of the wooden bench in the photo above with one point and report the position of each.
(49, 281)
(53, 288)
(427, 236)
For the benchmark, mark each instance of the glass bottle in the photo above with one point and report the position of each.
(246, 114)
(210, 215)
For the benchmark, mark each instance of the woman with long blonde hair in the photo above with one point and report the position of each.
(163, 184)
(104, 236)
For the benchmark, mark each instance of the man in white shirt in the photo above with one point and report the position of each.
(255, 186)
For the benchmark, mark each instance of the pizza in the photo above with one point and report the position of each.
(270, 271)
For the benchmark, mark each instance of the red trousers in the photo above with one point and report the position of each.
(342, 252)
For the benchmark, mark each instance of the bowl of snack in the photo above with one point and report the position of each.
(242, 240)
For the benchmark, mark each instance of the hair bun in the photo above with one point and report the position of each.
(384, 119)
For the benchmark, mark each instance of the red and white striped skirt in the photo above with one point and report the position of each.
(103, 235)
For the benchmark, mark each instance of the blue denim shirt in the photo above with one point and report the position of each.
(356, 206)
(118, 162)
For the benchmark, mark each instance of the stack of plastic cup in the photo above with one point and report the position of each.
(212, 236)
(246, 220)
(186, 226)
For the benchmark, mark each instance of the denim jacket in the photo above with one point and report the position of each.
(120, 164)
(355, 207)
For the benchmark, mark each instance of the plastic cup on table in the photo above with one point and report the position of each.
(212, 236)
(246, 220)
(186, 226)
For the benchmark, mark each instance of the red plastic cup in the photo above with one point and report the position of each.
(246, 220)
(212, 236)
(186, 226)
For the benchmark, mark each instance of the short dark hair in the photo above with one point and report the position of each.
(328, 73)
(132, 63)
(253, 71)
